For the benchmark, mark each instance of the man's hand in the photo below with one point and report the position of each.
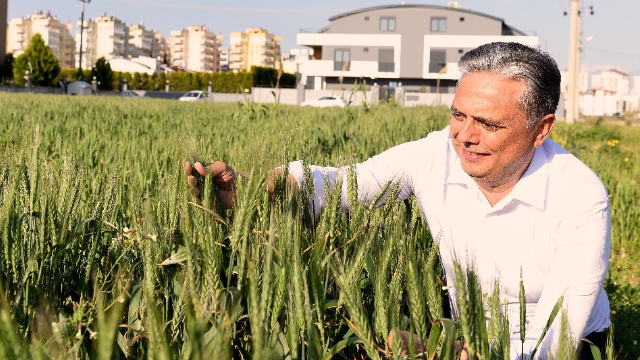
(223, 176)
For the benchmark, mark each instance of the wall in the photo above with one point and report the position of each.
(413, 99)
(292, 96)
(284, 96)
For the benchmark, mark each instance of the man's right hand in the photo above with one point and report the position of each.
(223, 176)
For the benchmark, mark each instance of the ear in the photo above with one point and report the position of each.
(543, 129)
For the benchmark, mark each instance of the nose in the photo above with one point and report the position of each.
(468, 132)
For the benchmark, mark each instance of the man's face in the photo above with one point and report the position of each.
(488, 130)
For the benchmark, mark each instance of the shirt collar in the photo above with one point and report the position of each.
(530, 189)
(532, 186)
(456, 174)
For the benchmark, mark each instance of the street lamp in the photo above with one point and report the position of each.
(82, 32)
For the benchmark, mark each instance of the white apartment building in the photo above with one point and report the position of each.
(56, 35)
(104, 36)
(224, 59)
(141, 41)
(254, 47)
(161, 48)
(611, 81)
(636, 86)
(583, 82)
(195, 49)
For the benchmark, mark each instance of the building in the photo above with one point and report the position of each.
(583, 82)
(293, 62)
(224, 59)
(611, 81)
(161, 48)
(4, 5)
(56, 35)
(254, 47)
(417, 46)
(141, 41)
(104, 36)
(636, 86)
(195, 49)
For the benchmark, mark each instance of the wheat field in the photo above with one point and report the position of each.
(105, 254)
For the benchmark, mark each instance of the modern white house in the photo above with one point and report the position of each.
(416, 46)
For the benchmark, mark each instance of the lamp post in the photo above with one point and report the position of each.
(82, 32)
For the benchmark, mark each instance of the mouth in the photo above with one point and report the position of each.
(474, 156)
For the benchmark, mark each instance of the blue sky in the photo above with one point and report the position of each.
(614, 29)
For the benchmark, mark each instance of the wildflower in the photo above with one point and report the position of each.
(626, 159)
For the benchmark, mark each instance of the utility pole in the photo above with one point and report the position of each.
(573, 85)
(573, 111)
(81, 33)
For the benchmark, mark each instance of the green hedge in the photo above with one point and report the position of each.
(227, 82)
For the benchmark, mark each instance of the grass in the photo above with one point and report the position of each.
(104, 253)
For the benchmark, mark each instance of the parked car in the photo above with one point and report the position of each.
(326, 101)
(194, 95)
(131, 94)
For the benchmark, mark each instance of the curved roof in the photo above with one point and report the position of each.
(349, 13)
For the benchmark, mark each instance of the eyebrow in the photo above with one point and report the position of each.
(478, 119)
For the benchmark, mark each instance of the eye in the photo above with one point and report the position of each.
(490, 127)
(457, 115)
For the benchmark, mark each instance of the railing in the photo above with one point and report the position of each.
(386, 67)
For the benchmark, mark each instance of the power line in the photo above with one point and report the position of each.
(611, 52)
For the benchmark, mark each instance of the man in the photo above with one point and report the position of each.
(504, 197)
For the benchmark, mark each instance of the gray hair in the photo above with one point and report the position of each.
(535, 68)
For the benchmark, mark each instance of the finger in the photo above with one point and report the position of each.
(187, 168)
(192, 180)
(223, 175)
(200, 168)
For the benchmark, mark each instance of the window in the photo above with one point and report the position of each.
(385, 60)
(460, 51)
(438, 60)
(366, 18)
(462, 19)
(366, 49)
(438, 24)
(342, 60)
(387, 24)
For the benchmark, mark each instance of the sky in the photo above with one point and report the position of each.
(613, 31)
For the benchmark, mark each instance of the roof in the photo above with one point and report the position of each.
(349, 13)
(506, 29)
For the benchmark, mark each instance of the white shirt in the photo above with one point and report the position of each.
(554, 224)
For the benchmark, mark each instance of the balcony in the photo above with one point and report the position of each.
(355, 69)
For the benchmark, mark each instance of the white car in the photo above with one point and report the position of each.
(194, 95)
(326, 101)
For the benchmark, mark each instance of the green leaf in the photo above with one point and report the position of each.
(595, 351)
(552, 317)
(443, 333)
(178, 257)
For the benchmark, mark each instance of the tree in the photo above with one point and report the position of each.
(6, 68)
(103, 73)
(44, 65)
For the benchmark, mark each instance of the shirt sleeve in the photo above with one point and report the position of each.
(393, 165)
(578, 271)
